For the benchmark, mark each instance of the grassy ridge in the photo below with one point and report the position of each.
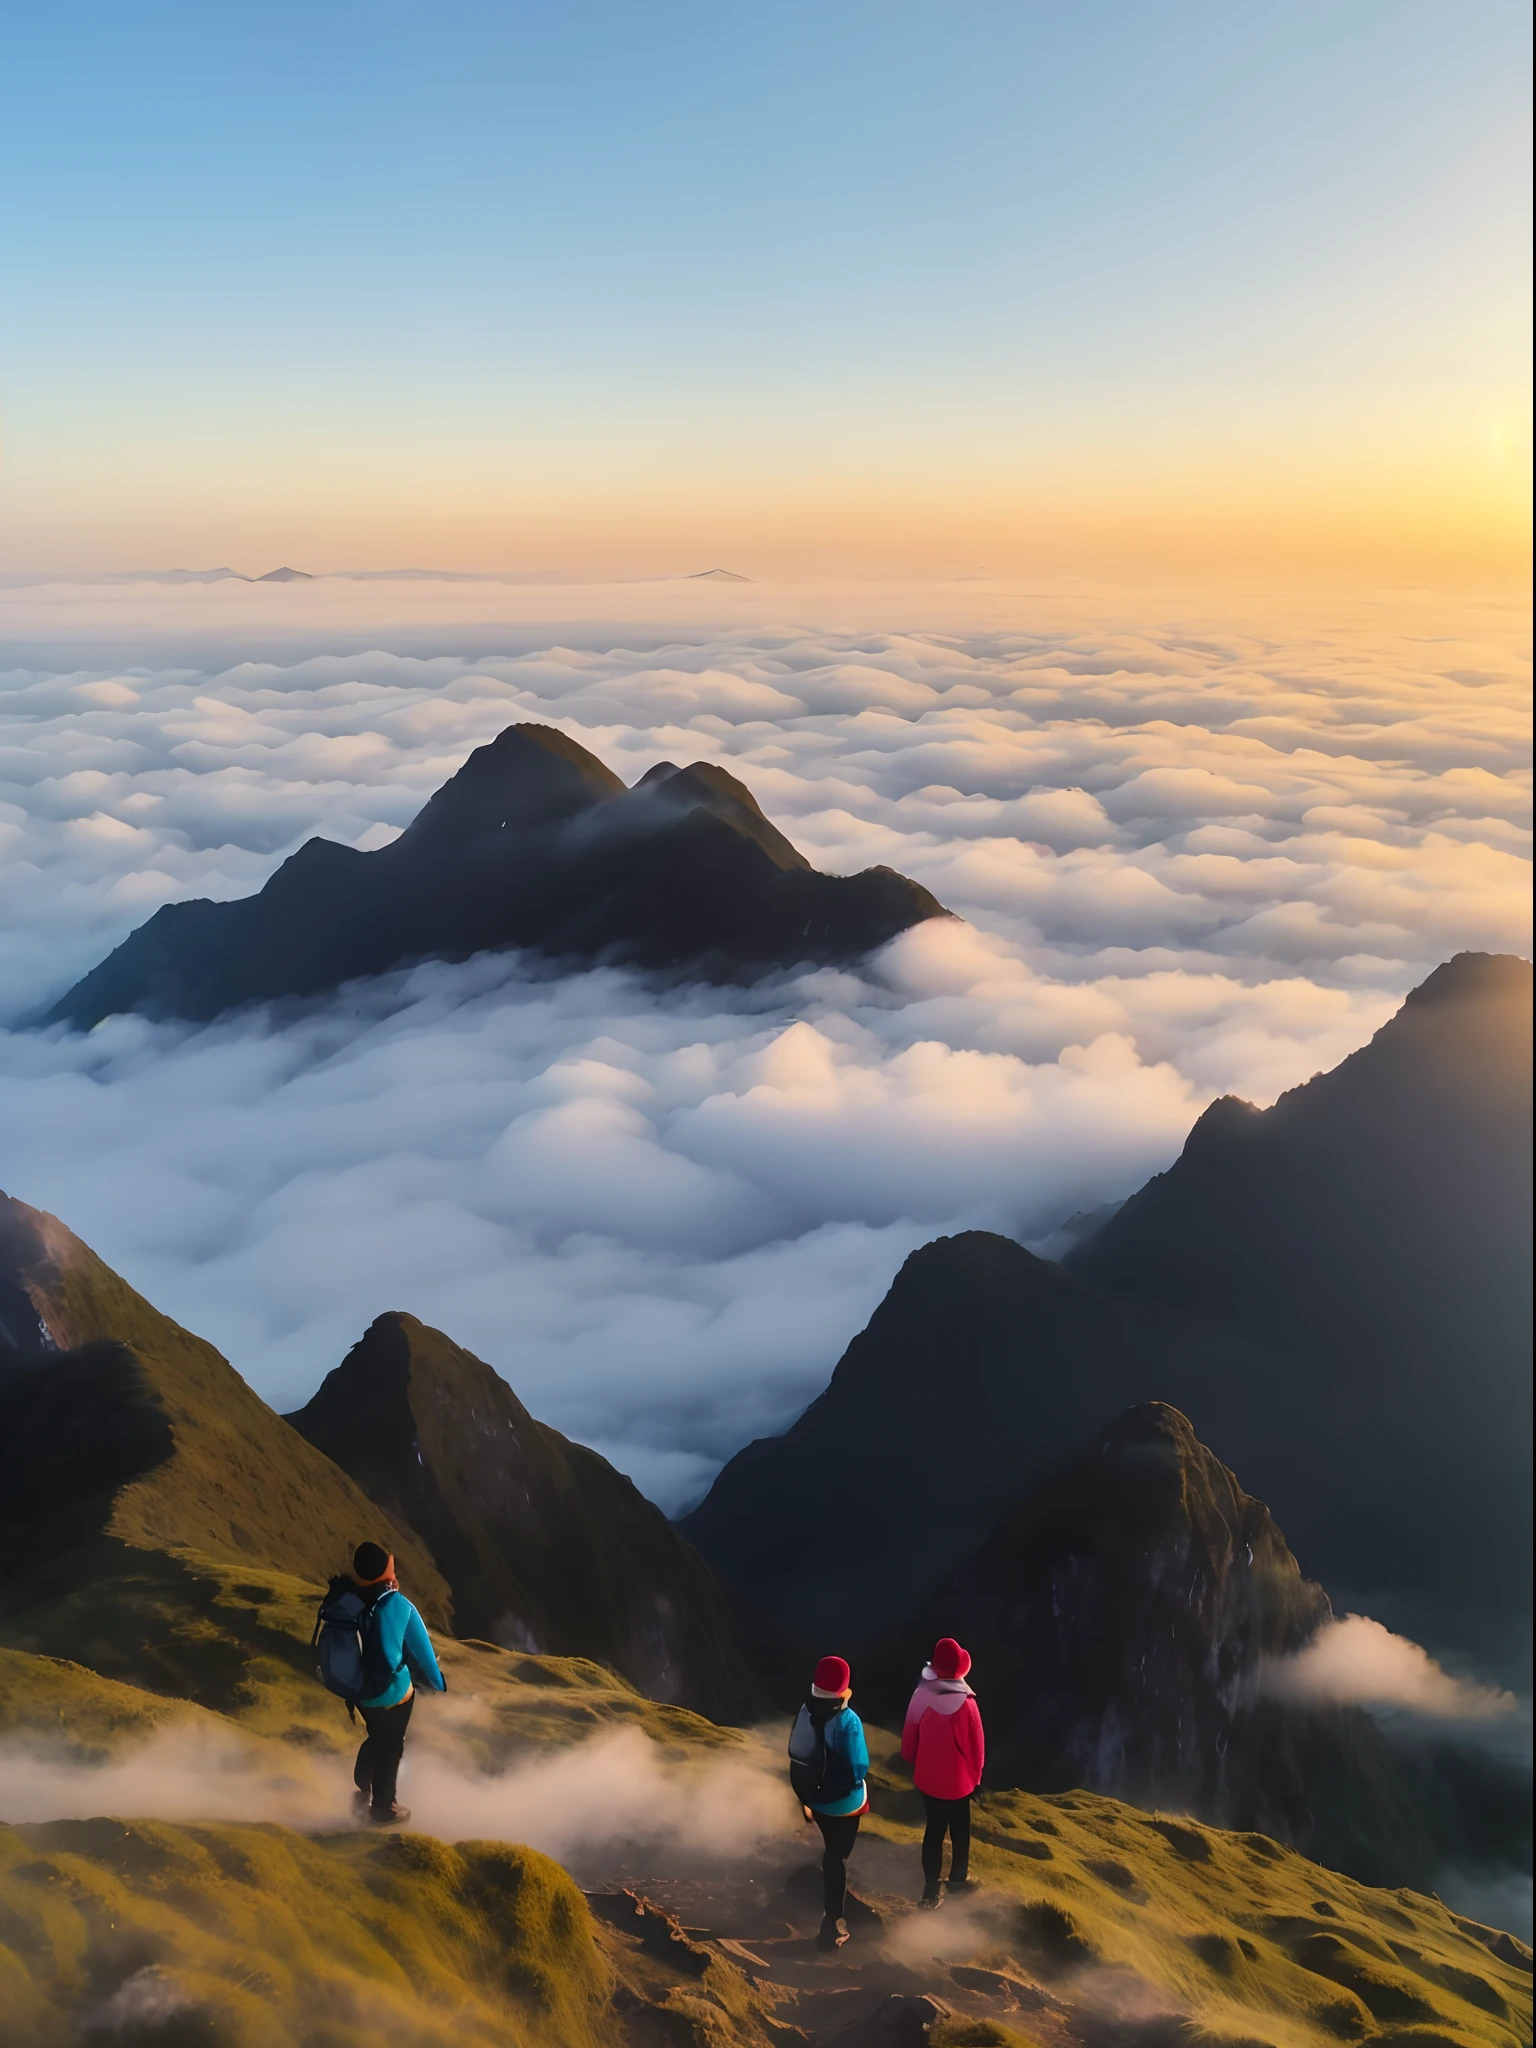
(1253, 1938)
(255, 1937)
(323, 1940)
(177, 1634)
(239, 1482)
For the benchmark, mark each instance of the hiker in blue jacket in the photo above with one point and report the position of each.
(398, 1650)
(828, 1761)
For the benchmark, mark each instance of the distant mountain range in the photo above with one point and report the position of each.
(1336, 1291)
(533, 843)
(133, 1457)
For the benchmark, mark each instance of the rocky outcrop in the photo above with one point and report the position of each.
(1119, 1615)
(1120, 1619)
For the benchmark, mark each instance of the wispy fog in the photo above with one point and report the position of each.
(615, 1795)
(1191, 859)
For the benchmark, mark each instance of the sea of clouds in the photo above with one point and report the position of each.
(1194, 847)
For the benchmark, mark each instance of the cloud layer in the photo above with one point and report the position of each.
(1192, 857)
(1355, 1661)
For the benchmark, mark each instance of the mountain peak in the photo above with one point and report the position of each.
(534, 843)
(544, 1545)
(1475, 977)
(117, 1423)
(707, 786)
(285, 575)
(981, 1364)
(1365, 1244)
(528, 777)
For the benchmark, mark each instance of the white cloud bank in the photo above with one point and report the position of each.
(1354, 1661)
(1193, 858)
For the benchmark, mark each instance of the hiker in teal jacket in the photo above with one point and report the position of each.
(397, 1644)
(827, 1710)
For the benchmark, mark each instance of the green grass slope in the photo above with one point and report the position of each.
(216, 1470)
(1250, 1939)
(1104, 1920)
(116, 1659)
(255, 1937)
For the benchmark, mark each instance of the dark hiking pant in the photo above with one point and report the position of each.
(378, 1761)
(951, 1817)
(839, 1831)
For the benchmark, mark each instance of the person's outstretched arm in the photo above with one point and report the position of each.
(421, 1656)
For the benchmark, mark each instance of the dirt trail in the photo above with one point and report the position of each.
(741, 1940)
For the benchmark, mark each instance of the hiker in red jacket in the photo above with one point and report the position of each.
(943, 1742)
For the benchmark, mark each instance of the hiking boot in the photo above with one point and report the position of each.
(362, 1803)
(833, 1934)
(394, 1818)
(933, 1895)
(964, 1886)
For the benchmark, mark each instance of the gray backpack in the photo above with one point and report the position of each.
(819, 1775)
(347, 1639)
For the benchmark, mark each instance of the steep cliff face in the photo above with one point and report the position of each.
(1121, 1618)
(1363, 1249)
(544, 1545)
(1120, 1613)
(534, 843)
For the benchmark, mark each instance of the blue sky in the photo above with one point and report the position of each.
(604, 252)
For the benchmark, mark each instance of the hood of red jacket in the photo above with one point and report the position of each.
(943, 1695)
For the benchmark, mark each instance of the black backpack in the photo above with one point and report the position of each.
(820, 1776)
(349, 1663)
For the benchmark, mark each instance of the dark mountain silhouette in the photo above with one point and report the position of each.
(534, 843)
(285, 575)
(1118, 1615)
(1336, 1290)
(117, 1424)
(1365, 1247)
(545, 1546)
(979, 1371)
(1120, 1618)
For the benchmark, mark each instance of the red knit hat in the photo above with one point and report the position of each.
(948, 1659)
(832, 1675)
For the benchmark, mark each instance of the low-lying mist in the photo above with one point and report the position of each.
(616, 1797)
